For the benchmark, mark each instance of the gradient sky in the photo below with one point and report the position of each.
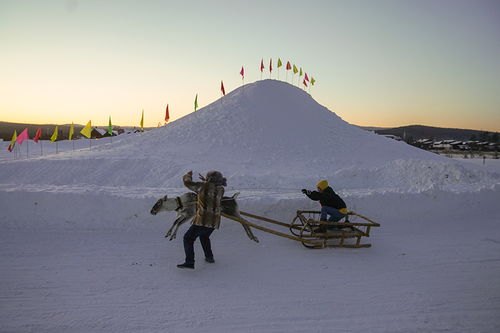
(377, 63)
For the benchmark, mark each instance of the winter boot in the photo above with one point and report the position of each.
(210, 260)
(186, 265)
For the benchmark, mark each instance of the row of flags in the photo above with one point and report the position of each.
(288, 67)
(19, 139)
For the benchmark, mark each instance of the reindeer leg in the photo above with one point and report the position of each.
(181, 221)
(247, 229)
(175, 224)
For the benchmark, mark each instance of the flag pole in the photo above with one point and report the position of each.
(41, 149)
(57, 147)
(27, 144)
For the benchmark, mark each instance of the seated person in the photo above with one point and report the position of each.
(331, 203)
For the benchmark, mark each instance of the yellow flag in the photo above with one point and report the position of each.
(142, 121)
(71, 131)
(295, 70)
(13, 141)
(54, 135)
(87, 130)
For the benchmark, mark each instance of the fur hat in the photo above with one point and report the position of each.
(322, 184)
(216, 177)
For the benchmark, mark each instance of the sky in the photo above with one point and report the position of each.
(376, 63)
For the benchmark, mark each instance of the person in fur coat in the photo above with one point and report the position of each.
(208, 209)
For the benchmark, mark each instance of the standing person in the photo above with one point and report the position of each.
(208, 208)
(331, 203)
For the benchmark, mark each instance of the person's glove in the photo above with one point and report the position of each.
(306, 191)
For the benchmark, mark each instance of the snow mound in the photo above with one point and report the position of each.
(268, 134)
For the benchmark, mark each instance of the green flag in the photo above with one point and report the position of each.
(312, 80)
(54, 135)
(71, 131)
(300, 73)
(295, 70)
(196, 102)
(110, 127)
(279, 63)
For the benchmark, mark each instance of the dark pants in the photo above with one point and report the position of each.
(190, 236)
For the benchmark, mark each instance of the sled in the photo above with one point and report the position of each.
(305, 224)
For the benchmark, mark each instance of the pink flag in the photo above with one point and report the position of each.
(306, 78)
(38, 134)
(271, 64)
(23, 136)
(222, 88)
(262, 65)
(288, 66)
(242, 72)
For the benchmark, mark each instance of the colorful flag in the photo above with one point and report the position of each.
(279, 63)
(262, 65)
(242, 72)
(305, 83)
(300, 73)
(71, 132)
(23, 136)
(196, 102)
(167, 115)
(295, 70)
(12, 141)
(222, 88)
(271, 65)
(54, 135)
(87, 130)
(110, 127)
(312, 80)
(142, 120)
(288, 66)
(306, 78)
(38, 134)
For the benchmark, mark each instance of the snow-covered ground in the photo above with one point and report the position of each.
(80, 252)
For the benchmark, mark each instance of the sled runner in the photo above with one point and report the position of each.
(315, 234)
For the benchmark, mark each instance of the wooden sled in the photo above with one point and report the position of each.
(305, 223)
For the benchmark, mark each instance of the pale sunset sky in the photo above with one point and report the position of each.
(381, 63)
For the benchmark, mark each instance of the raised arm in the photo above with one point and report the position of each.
(188, 182)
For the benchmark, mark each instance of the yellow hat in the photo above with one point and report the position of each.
(322, 184)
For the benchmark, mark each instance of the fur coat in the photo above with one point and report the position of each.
(208, 206)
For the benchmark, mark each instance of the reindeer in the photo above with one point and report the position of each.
(185, 206)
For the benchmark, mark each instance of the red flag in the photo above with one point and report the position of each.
(23, 136)
(271, 64)
(242, 72)
(167, 116)
(38, 134)
(222, 88)
(304, 82)
(262, 65)
(288, 66)
(306, 78)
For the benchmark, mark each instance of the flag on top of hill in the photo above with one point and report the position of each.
(196, 102)
(12, 141)
(38, 134)
(288, 66)
(305, 83)
(87, 130)
(271, 65)
(279, 63)
(23, 136)
(312, 80)
(54, 135)
(110, 127)
(167, 116)
(142, 120)
(71, 131)
(306, 78)
(300, 72)
(262, 65)
(295, 70)
(222, 88)
(242, 72)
